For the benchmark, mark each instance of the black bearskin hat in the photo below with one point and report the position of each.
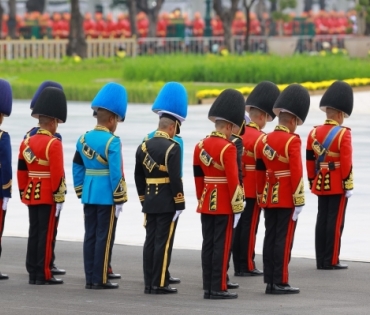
(229, 106)
(338, 96)
(51, 103)
(263, 97)
(295, 100)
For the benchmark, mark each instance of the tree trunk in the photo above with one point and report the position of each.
(76, 40)
(153, 18)
(228, 34)
(246, 42)
(307, 5)
(322, 4)
(247, 8)
(273, 6)
(131, 5)
(227, 17)
(1, 20)
(12, 21)
(35, 5)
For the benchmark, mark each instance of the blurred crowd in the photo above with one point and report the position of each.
(97, 25)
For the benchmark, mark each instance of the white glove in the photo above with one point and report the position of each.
(349, 193)
(236, 219)
(59, 208)
(297, 211)
(5, 203)
(245, 203)
(177, 214)
(118, 210)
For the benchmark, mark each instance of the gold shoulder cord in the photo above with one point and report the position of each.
(168, 152)
(222, 154)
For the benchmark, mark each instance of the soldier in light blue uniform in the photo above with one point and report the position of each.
(173, 101)
(54, 269)
(99, 182)
(6, 101)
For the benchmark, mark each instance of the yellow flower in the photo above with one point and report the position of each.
(335, 50)
(322, 53)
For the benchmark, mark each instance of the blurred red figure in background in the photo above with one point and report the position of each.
(198, 25)
(100, 25)
(217, 26)
(111, 26)
(142, 25)
(89, 26)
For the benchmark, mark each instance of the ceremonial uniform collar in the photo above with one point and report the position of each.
(161, 134)
(101, 128)
(218, 134)
(331, 122)
(44, 132)
(282, 128)
(252, 124)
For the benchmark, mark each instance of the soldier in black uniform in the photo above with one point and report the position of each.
(160, 189)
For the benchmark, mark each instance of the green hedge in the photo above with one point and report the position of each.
(244, 69)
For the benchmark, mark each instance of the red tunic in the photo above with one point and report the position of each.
(255, 27)
(89, 27)
(40, 172)
(143, 27)
(239, 27)
(162, 28)
(111, 29)
(279, 173)
(251, 137)
(100, 28)
(198, 27)
(216, 176)
(123, 28)
(217, 27)
(335, 173)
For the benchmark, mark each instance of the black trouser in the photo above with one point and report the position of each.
(245, 237)
(217, 233)
(54, 240)
(278, 244)
(160, 231)
(99, 221)
(40, 239)
(329, 228)
(2, 222)
(110, 270)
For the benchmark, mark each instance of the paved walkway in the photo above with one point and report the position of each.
(322, 292)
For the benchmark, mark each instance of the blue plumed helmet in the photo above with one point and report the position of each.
(172, 99)
(42, 86)
(112, 97)
(6, 98)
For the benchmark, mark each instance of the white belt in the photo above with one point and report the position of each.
(215, 180)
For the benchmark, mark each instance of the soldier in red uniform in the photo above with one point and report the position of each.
(123, 26)
(65, 25)
(219, 193)
(89, 25)
(57, 25)
(198, 25)
(100, 25)
(280, 191)
(142, 25)
(329, 170)
(41, 183)
(259, 106)
(111, 26)
(217, 26)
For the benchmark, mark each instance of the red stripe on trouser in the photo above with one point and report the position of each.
(337, 231)
(227, 248)
(252, 235)
(49, 243)
(287, 249)
(1, 220)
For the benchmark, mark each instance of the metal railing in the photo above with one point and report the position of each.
(56, 48)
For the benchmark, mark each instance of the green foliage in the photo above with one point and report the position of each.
(244, 69)
(279, 15)
(363, 8)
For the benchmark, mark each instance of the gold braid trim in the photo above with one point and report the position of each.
(348, 182)
(237, 203)
(298, 197)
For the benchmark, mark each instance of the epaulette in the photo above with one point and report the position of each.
(347, 128)
(264, 138)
